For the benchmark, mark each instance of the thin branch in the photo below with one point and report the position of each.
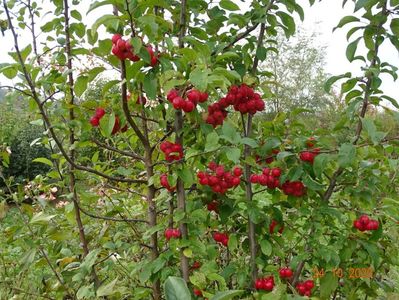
(122, 152)
(91, 215)
(247, 32)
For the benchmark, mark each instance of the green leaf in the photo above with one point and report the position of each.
(227, 295)
(230, 134)
(108, 289)
(107, 20)
(89, 261)
(93, 73)
(351, 49)
(233, 154)
(250, 142)
(288, 22)
(41, 219)
(229, 5)
(346, 155)
(266, 247)
(395, 27)
(76, 14)
(25, 52)
(199, 78)
(271, 143)
(100, 3)
(28, 258)
(198, 279)
(333, 79)
(328, 284)
(233, 243)
(372, 250)
(43, 160)
(282, 155)
(346, 20)
(371, 129)
(312, 184)
(320, 163)
(261, 53)
(9, 71)
(186, 175)
(227, 56)
(176, 289)
(81, 85)
(151, 86)
(212, 142)
(364, 4)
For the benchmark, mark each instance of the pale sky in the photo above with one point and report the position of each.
(322, 17)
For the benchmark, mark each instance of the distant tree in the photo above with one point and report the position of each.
(297, 74)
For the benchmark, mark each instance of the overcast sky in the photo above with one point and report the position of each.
(321, 18)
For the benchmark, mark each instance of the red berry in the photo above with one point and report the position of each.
(268, 286)
(196, 265)
(372, 225)
(236, 181)
(194, 96)
(172, 95)
(197, 292)
(276, 172)
(364, 219)
(116, 37)
(141, 100)
(168, 233)
(301, 289)
(254, 178)
(100, 112)
(188, 106)
(95, 121)
(203, 97)
(121, 44)
(212, 166)
(309, 284)
(237, 171)
(117, 126)
(176, 233)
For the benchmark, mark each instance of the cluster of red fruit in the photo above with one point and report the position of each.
(219, 179)
(364, 223)
(309, 155)
(285, 273)
(305, 288)
(216, 114)
(100, 112)
(269, 178)
(165, 183)
(172, 233)
(124, 50)
(173, 151)
(273, 225)
(243, 98)
(213, 206)
(266, 284)
(221, 238)
(294, 188)
(193, 98)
